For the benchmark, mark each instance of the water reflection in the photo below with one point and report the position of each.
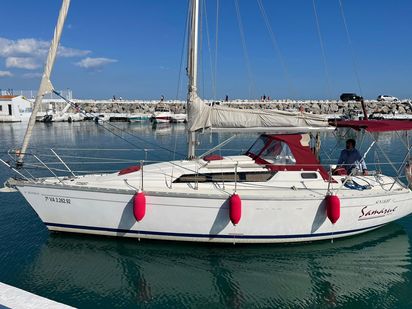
(125, 273)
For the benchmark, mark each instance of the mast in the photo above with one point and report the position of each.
(192, 97)
(45, 84)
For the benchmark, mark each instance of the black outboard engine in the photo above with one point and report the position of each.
(47, 118)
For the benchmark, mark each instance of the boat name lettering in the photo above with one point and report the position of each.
(370, 213)
(383, 201)
(56, 199)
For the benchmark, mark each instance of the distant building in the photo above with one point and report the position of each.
(14, 108)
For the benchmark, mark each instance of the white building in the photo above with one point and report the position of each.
(14, 108)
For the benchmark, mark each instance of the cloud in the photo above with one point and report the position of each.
(35, 48)
(68, 52)
(27, 63)
(31, 47)
(5, 74)
(32, 75)
(94, 63)
(30, 53)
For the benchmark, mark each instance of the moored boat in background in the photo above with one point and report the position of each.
(162, 114)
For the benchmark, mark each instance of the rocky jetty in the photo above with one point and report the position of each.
(316, 107)
(129, 107)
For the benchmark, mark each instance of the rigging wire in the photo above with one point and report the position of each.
(115, 127)
(201, 67)
(209, 51)
(87, 158)
(188, 37)
(115, 149)
(348, 37)
(252, 86)
(182, 52)
(277, 49)
(216, 46)
(121, 137)
(322, 47)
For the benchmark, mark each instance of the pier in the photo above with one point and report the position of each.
(11, 297)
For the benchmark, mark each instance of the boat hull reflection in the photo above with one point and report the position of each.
(124, 273)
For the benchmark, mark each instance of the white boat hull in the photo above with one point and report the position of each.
(162, 117)
(162, 120)
(205, 218)
(138, 118)
(179, 118)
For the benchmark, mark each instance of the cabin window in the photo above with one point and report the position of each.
(1, 108)
(258, 145)
(279, 153)
(309, 175)
(227, 177)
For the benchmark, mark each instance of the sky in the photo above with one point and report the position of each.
(136, 48)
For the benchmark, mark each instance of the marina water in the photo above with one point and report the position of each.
(367, 271)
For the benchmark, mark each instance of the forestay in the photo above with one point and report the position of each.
(45, 84)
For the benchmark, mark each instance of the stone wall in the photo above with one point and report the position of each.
(317, 107)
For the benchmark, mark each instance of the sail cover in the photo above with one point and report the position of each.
(203, 116)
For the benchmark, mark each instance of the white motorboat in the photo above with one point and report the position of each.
(162, 114)
(277, 191)
(179, 118)
(53, 115)
(137, 117)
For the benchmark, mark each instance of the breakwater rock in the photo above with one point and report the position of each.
(316, 107)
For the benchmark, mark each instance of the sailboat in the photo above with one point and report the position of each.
(276, 192)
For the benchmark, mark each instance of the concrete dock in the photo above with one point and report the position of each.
(11, 297)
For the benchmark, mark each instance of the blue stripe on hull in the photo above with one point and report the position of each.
(105, 229)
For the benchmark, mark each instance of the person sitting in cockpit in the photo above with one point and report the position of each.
(350, 158)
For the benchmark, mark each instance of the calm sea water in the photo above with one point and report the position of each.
(373, 270)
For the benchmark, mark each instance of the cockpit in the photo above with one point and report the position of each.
(286, 152)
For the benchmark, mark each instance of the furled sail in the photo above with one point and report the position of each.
(45, 84)
(220, 117)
